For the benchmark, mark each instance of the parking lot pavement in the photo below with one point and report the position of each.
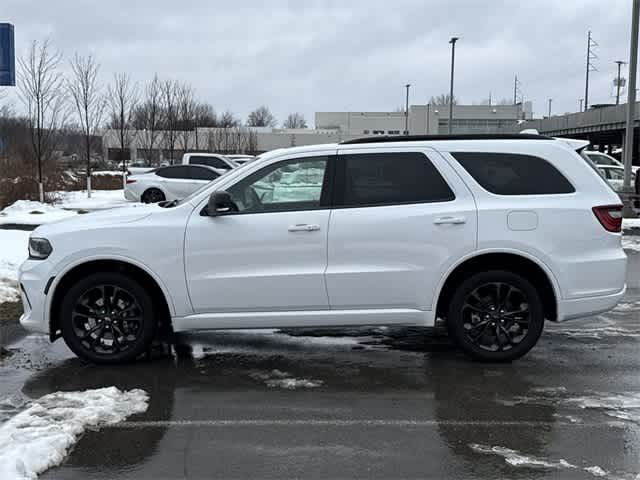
(375, 403)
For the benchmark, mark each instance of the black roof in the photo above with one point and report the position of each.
(423, 138)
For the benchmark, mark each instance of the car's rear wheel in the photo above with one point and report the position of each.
(153, 195)
(108, 318)
(495, 316)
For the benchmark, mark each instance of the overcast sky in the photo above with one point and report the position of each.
(328, 55)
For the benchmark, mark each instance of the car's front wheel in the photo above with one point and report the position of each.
(107, 318)
(495, 316)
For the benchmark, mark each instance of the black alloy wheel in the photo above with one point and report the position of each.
(496, 316)
(107, 318)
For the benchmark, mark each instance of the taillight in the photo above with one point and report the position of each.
(130, 180)
(610, 216)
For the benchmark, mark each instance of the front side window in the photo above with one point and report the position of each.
(514, 174)
(374, 179)
(284, 186)
(214, 162)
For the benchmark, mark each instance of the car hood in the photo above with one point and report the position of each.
(97, 219)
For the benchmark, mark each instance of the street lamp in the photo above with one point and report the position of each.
(620, 63)
(406, 111)
(453, 59)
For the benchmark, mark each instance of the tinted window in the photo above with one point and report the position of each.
(390, 178)
(288, 185)
(201, 173)
(178, 171)
(514, 174)
(214, 162)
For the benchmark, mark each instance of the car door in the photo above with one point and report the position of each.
(176, 181)
(401, 218)
(200, 176)
(270, 252)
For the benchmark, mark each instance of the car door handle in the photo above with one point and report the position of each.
(304, 227)
(450, 220)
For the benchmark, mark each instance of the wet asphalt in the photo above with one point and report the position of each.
(369, 403)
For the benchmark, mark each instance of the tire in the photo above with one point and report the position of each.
(153, 195)
(107, 318)
(495, 316)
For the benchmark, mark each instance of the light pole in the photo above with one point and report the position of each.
(631, 103)
(550, 100)
(580, 100)
(620, 63)
(406, 111)
(453, 59)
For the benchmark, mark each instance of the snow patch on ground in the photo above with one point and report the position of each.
(13, 251)
(40, 437)
(631, 242)
(596, 333)
(28, 212)
(279, 379)
(517, 459)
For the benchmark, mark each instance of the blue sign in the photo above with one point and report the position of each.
(7, 56)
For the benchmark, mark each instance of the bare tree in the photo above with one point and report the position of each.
(169, 94)
(147, 117)
(442, 99)
(204, 116)
(228, 120)
(261, 117)
(86, 92)
(295, 120)
(187, 110)
(41, 89)
(123, 97)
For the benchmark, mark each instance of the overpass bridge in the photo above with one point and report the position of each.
(603, 127)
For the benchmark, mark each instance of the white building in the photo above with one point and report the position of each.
(426, 120)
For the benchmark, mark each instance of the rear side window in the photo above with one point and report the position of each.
(373, 179)
(202, 173)
(178, 171)
(214, 162)
(514, 174)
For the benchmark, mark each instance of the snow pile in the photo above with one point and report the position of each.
(517, 459)
(28, 212)
(279, 379)
(13, 251)
(100, 199)
(40, 437)
(631, 242)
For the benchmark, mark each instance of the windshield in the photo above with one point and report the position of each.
(184, 200)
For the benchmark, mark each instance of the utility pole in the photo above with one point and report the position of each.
(580, 100)
(590, 67)
(453, 58)
(620, 63)
(550, 100)
(631, 104)
(406, 111)
(515, 91)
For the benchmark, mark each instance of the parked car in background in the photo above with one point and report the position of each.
(168, 183)
(492, 235)
(604, 160)
(615, 176)
(241, 159)
(220, 162)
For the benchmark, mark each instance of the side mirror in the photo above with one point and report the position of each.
(220, 202)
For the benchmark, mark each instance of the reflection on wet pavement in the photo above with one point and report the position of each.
(373, 402)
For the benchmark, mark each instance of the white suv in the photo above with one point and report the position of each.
(490, 234)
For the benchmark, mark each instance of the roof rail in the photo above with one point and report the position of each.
(426, 138)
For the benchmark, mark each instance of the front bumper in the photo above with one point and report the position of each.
(33, 277)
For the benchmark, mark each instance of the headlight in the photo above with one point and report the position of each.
(39, 248)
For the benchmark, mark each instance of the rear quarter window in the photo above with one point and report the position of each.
(514, 174)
